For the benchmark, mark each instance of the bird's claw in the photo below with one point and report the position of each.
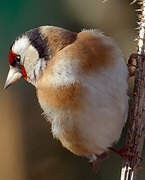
(95, 160)
(125, 154)
(133, 57)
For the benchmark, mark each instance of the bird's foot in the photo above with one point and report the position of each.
(125, 152)
(95, 160)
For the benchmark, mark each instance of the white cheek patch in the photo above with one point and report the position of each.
(31, 55)
(35, 69)
(20, 45)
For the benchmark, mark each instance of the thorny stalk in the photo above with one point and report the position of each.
(136, 131)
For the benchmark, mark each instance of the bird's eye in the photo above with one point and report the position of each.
(18, 58)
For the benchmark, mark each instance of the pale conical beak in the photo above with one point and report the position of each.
(12, 77)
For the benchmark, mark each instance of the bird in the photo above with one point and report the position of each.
(81, 82)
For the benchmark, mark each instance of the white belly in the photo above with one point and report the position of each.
(100, 121)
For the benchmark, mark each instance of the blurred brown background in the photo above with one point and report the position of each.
(27, 149)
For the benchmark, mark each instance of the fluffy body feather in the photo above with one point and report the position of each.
(83, 92)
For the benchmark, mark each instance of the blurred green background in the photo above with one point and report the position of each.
(27, 149)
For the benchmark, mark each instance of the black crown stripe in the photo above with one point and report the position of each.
(39, 42)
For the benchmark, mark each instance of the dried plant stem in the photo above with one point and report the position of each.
(136, 131)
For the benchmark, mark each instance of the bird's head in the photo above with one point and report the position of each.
(30, 52)
(27, 57)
